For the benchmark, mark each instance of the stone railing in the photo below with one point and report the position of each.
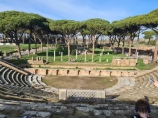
(75, 95)
(81, 72)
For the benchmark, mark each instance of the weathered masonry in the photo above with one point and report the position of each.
(82, 72)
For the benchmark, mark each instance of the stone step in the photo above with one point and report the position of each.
(123, 84)
(76, 110)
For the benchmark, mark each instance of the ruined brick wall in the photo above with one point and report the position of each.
(71, 72)
(124, 61)
(40, 62)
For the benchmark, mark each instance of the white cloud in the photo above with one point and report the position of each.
(65, 9)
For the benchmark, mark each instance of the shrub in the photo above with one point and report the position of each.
(58, 48)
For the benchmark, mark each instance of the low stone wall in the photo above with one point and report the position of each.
(117, 61)
(75, 95)
(73, 72)
(35, 62)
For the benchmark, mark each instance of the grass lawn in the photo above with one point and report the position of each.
(81, 58)
(75, 82)
(142, 66)
(11, 48)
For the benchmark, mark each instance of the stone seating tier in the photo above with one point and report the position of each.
(142, 88)
(31, 92)
(13, 67)
(118, 109)
(16, 82)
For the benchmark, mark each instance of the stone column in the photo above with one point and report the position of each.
(76, 54)
(62, 94)
(100, 57)
(54, 55)
(85, 56)
(107, 60)
(137, 57)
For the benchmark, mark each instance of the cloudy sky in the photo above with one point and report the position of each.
(81, 9)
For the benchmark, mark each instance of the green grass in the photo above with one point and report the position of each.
(80, 57)
(11, 48)
(142, 66)
(105, 57)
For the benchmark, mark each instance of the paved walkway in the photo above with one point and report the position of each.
(123, 84)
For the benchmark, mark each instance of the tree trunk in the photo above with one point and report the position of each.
(19, 50)
(18, 45)
(41, 46)
(68, 46)
(74, 43)
(149, 42)
(56, 41)
(123, 49)
(29, 45)
(47, 51)
(93, 42)
(130, 45)
(83, 41)
(155, 51)
(118, 45)
(23, 39)
(35, 43)
(110, 42)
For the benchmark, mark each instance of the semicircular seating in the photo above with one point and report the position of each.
(143, 88)
(22, 84)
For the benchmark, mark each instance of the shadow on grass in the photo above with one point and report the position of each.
(105, 52)
(50, 53)
(18, 61)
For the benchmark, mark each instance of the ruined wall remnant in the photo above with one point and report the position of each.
(127, 61)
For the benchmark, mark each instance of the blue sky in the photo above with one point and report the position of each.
(81, 9)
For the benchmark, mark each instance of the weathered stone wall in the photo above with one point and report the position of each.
(124, 61)
(71, 72)
(36, 62)
(145, 61)
(105, 73)
(63, 72)
(52, 72)
(72, 110)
